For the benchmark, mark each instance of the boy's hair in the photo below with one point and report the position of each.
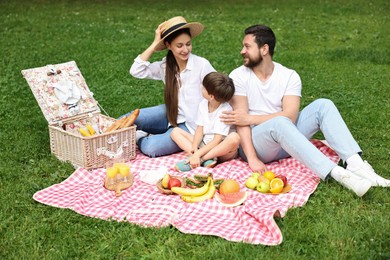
(263, 35)
(219, 85)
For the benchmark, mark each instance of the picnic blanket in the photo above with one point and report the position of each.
(142, 204)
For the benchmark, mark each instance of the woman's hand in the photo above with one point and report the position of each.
(157, 35)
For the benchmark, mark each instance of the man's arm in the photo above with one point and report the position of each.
(240, 117)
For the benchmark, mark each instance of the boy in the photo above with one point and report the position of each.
(212, 139)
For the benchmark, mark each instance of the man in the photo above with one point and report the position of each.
(267, 118)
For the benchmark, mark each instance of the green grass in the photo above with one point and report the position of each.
(341, 49)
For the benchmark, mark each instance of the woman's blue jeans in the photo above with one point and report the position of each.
(279, 138)
(154, 121)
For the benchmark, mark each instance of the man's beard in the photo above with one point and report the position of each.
(253, 62)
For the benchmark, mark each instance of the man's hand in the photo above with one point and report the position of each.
(257, 166)
(236, 117)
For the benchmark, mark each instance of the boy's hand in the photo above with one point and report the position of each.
(194, 161)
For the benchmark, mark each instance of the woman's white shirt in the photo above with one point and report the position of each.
(190, 92)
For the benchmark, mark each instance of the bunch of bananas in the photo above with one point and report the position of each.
(198, 194)
(90, 131)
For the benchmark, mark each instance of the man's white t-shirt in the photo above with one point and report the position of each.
(266, 97)
(211, 122)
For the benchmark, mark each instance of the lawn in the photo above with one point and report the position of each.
(341, 49)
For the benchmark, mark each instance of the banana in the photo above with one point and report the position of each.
(90, 129)
(192, 192)
(84, 132)
(208, 195)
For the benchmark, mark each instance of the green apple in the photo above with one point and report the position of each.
(256, 175)
(251, 182)
(263, 187)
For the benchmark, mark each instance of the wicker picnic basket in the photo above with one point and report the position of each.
(68, 105)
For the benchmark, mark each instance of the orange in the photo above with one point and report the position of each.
(229, 186)
(269, 175)
(276, 185)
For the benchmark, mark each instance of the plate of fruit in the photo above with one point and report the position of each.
(268, 183)
(165, 184)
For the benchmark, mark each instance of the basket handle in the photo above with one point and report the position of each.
(111, 154)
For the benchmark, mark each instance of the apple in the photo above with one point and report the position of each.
(173, 182)
(256, 175)
(263, 179)
(165, 180)
(284, 179)
(251, 182)
(263, 187)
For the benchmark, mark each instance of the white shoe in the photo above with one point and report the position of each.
(366, 171)
(351, 181)
(139, 134)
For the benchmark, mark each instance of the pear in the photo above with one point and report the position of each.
(165, 181)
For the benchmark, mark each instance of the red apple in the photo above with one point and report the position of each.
(284, 179)
(173, 182)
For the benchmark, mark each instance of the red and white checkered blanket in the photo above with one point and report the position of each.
(144, 205)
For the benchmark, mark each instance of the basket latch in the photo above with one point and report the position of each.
(111, 154)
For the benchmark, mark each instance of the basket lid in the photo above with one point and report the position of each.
(61, 91)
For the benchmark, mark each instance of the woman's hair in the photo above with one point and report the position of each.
(263, 35)
(219, 85)
(171, 80)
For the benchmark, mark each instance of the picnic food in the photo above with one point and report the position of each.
(284, 179)
(256, 175)
(123, 122)
(173, 182)
(251, 182)
(276, 185)
(269, 175)
(229, 186)
(91, 130)
(210, 191)
(263, 187)
(231, 199)
(84, 132)
(200, 179)
(165, 189)
(268, 183)
(193, 192)
(164, 181)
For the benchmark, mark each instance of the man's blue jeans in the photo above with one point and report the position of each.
(279, 138)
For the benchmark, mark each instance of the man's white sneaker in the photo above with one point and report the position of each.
(350, 181)
(366, 171)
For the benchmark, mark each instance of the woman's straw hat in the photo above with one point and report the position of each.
(174, 24)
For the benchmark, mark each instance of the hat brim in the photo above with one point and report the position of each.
(195, 30)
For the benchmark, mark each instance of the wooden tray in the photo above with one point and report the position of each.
(118, 187)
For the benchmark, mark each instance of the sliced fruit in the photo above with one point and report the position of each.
(231, 199)
(276, 185)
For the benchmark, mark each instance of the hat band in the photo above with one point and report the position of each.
(172, 29)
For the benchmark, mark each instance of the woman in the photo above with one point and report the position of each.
(182, 73)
